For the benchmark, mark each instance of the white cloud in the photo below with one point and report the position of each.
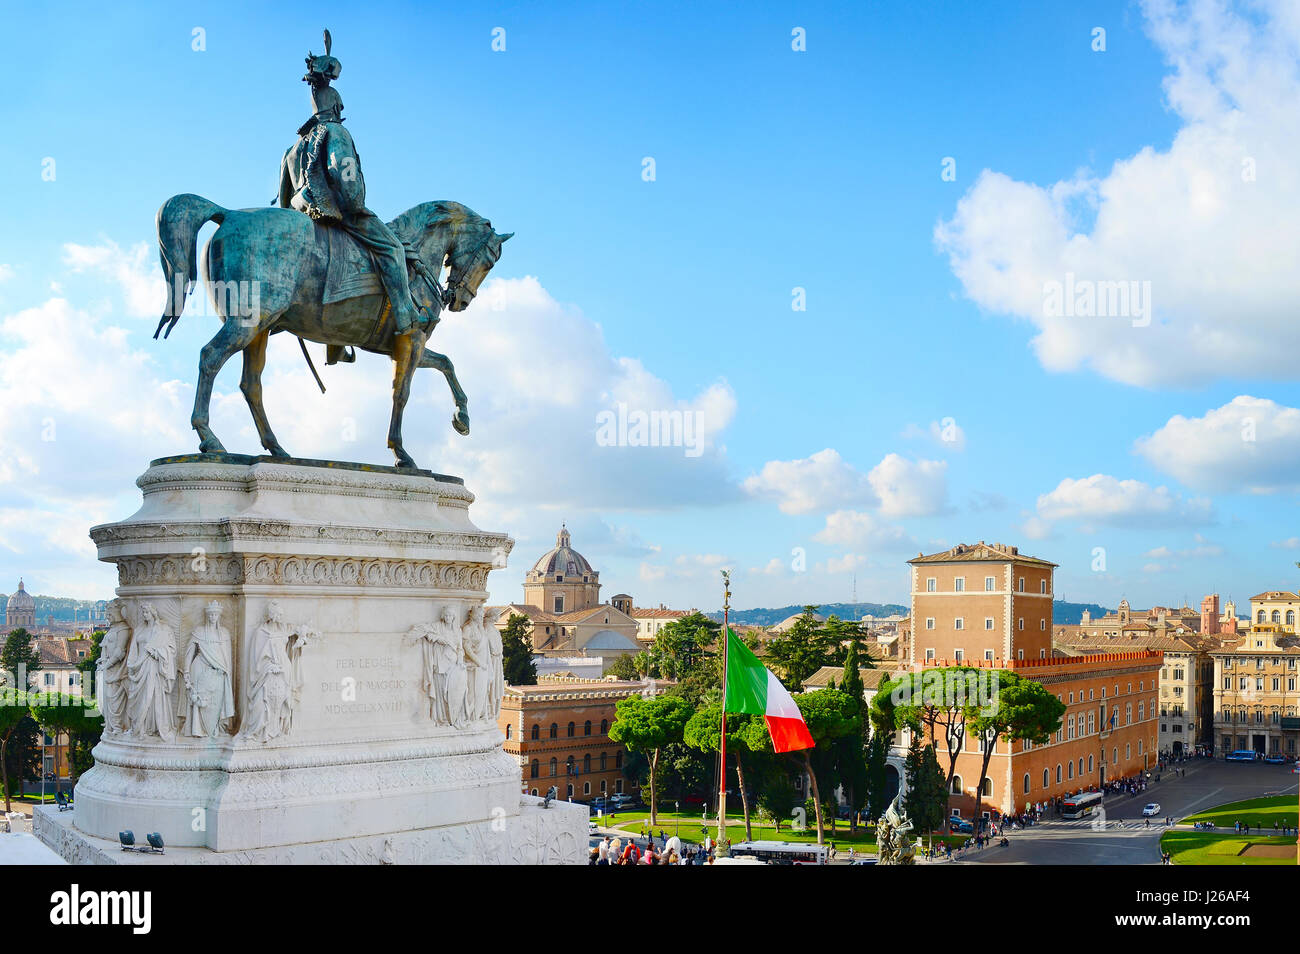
(1209, 222)
(1290, 543)
(819, 482)
(1102, 500)
(135, 271)
(1249, 445)
(854, 528)
(910, 488)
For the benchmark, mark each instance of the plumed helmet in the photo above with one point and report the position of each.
(322, 69)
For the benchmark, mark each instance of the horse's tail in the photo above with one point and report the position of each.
(179, 221)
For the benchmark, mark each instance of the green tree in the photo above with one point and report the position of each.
(517, 652)
(647, 725)
(877, 774)
(58, 713)
(84, 741)
(830, 715)
(927, 792)
(776, 797)
(837, 636)
(685, 647)
(798, 652)
(624, 667)
(935, 702)
(851, 751)
(15, 721)
(704, 732)
(1021, 711)
(18, 656)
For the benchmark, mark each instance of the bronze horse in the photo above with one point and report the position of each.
(284, 256)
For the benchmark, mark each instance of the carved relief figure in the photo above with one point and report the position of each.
(151, 677)
(207, 672)
(111, 671)
(275, 674)
(445, 680)
(477, 663)
(495, 666)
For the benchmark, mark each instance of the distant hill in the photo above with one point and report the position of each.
(769, 617)
(62, 607)
(1062, 612)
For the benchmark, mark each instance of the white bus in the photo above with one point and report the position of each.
(781, 852)
(1079, 806)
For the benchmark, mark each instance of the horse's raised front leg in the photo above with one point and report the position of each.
(235, 335)
(251, 385)
(441, 362)
(405, 348)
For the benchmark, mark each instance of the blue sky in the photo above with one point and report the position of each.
(775, 169)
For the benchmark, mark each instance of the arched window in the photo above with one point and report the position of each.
(509, 727)
(1047, 777)
(555, 732)
(537, 732)
(604, 727)
(555, 769)
(987, 787)
(1027, 783)
(1290, 617)
(1058, 774)
(586, 764)
(1090, 765)
(1260, 617)
(618, 760)
(572, 727)
(956, 785)
(586, 788)
(568, 765)
(602, 761)
(535, 769)
(1069, 770)
(1277, 617)
(1080, 765)
(586, 727)
(570, 788)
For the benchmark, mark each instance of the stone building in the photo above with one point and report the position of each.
(558, 730)
(1256, 695)
(20, 610)
(988, 606)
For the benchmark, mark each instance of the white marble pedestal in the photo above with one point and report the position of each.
(373, 753)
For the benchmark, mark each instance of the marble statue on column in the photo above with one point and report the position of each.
(207, 672)
(110, 690)
(496, 654)
(477, 665)
(275, 674)
(151, 677)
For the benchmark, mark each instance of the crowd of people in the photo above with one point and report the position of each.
(669, 851)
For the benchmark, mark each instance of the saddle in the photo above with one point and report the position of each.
(349, 273)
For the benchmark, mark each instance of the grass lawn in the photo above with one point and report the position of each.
(1216, 848)
(1262, 812)
(689, 830)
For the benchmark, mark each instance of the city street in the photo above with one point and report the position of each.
(1121, 836)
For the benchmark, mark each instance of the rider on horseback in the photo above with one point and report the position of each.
(321, 176)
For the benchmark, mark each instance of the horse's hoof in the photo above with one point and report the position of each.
(275, 450)
(404, 460)
(211, 446)
(461, 423)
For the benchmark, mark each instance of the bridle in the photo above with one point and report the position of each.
(454, 283)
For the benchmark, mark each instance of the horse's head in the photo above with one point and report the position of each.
(455, 235)
(477, 248)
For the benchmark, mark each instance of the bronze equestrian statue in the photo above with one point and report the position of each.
(323, 267)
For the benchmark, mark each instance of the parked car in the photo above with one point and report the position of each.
(591, 827)
(1151, 810)
(960, 826)
(1275, 759)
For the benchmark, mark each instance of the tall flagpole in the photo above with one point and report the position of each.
(722, 770)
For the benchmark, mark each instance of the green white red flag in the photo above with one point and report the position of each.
(751, 688)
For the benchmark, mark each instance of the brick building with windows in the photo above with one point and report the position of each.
(1257, 681)
(558, 731)
(988, 606)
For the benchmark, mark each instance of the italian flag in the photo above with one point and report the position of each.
(751, 688)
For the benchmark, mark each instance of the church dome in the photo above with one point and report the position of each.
(562, 560)
(21, 601)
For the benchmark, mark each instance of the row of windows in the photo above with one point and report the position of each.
(586, 788)
(1257, 716)
(570, 732)
(960, 623)
(1244, 683)
(990, 585)
(959, 655)
(1260, 661)
(602, 761)
(1276, 617)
